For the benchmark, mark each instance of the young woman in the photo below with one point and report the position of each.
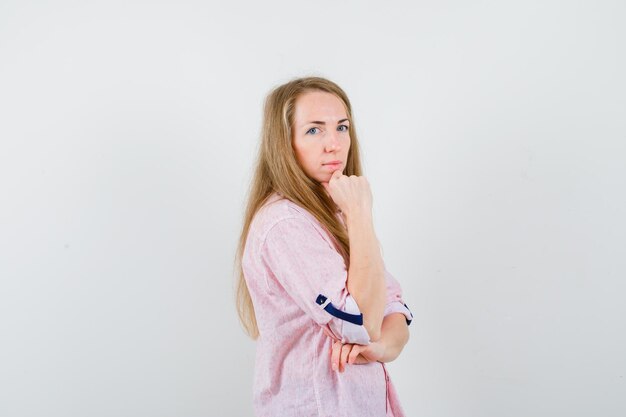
(313, 289)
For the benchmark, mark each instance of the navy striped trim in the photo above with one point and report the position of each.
(408, 322)
(330, 308)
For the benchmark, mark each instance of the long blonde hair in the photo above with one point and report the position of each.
(277, 170)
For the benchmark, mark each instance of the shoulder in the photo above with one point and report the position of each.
(279, 213)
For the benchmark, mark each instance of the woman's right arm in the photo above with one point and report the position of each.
(366, 274)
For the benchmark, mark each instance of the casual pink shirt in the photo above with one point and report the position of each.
(288, 261)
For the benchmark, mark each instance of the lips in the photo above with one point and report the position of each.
(333, 166)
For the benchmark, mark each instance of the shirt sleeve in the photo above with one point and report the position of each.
(395, 302)
(314, 275)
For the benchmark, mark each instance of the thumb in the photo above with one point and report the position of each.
(336, 174)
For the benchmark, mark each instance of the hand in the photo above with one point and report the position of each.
(354, 354)
(351, 194)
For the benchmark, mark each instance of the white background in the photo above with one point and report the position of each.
(493, 135)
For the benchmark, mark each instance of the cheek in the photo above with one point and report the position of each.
(302, 154)
(297, 150)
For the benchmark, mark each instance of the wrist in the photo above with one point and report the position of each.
(359, 218)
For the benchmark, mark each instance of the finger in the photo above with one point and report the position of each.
(334, 359)
(336, 174)
(345, 351)
(360, 360)
(353, 354)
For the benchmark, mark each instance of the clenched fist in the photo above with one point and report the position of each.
(352, 194)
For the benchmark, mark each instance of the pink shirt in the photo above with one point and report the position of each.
(288, 261)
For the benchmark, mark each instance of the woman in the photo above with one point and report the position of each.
(313, 289)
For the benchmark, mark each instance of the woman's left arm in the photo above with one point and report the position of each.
(394, 335)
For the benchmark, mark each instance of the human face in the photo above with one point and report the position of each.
(320, 134)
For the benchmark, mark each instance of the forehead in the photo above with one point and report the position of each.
(318, 105)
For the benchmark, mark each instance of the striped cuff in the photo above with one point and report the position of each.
(352, 333)
(399, 307)
(352, 329)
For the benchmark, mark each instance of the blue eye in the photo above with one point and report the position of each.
(346, 128)
(309, 131)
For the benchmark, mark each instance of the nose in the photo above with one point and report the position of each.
(333, 141)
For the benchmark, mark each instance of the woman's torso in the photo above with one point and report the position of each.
(293, 376)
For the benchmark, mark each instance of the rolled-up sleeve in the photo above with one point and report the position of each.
(395, 302)
(314, 275)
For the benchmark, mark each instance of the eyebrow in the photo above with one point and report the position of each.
(317, 122)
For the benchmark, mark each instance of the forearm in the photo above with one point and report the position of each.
(394, 336)
(366, 273)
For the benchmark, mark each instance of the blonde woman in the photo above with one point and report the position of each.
(312, 288)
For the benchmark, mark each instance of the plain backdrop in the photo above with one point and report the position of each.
(493, 135)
